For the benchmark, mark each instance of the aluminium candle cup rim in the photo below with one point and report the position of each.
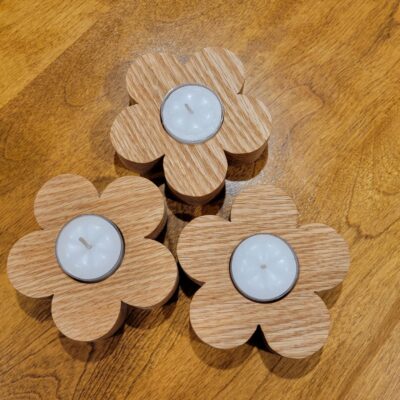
(276, 298)
(191, 141)
(108, 273)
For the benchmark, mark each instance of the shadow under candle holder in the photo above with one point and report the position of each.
(144, 319)
(138, 319)
(289, 368)
(39, 309)
(189, 288)
(237, 171)
(91, 351)
(187, 212)
(241, 171)
(330, 296)
(284, 367)
(218, 358)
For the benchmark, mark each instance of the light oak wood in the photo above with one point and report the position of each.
(194, 172)
(328, 71)
(147, 276)
(295, 326)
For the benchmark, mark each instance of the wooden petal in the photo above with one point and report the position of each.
(136, 205)
(296, 326)
(246, 127)
(32, 266)
(196, 173)
(62, 198)
(148, 275)
(328, 257)
(221, 317)
(137, 137)
(205, 247)
(151, 76)
(85, 313)
(218, 68)
(266, 207)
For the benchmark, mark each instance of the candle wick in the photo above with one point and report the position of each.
(85, 243)
(188, 108)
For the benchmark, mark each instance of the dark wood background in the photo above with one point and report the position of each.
(330, 72)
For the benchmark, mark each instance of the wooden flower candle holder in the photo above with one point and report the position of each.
(144, 274)
(193, 135)
(226, 310)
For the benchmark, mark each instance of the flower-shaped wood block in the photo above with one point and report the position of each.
(295, 325)
(130, 210)
(143, 133)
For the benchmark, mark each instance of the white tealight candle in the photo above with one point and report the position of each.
(192, 113)
(264, 268)
(89, 248)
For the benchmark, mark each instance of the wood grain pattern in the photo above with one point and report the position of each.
(295, 326)
(147, 276)
(328, 71)
(194, 172)
(40, 30)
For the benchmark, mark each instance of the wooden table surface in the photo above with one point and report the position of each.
(330, 72)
